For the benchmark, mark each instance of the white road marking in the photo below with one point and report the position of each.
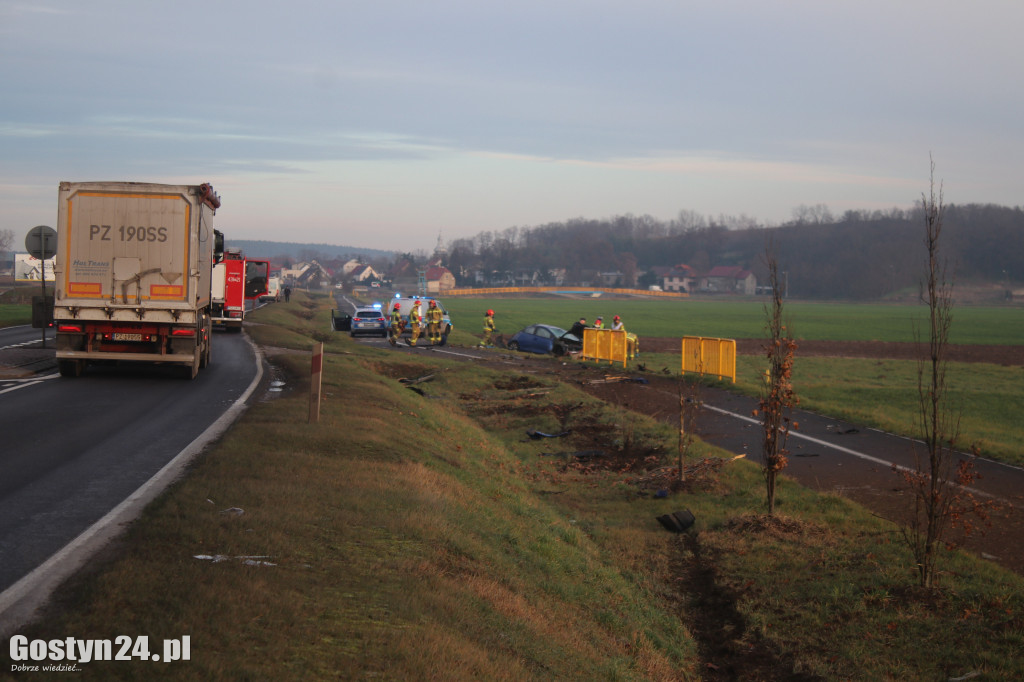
(848, 451)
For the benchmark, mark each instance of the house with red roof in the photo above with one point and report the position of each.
(676, 278)
(732, 279)
(439, 279)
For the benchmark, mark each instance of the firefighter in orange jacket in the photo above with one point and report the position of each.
(488, 328)
(434, 322)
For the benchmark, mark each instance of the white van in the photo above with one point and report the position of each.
(273, 290)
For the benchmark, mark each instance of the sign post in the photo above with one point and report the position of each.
(41, 242)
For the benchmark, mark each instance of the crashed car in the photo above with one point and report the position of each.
(545, 338)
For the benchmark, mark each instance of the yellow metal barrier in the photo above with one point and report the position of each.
(704, 355)
(604, 344)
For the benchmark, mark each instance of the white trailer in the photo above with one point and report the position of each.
(132, 274)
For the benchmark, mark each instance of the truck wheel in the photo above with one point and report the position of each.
(71, 368)
(190, 372)
(204, 361)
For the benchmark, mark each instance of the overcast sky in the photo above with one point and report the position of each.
(385, 123)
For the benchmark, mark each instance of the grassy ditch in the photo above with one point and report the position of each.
(417, 532)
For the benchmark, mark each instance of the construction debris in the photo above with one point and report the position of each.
(581, 455)
(417, 380)
(256, 560)
(703, 467)
(610, 379)
(677, 521)
(537, 435)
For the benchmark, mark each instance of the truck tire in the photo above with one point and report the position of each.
(204, 360)
(71, 368)
(190, 372)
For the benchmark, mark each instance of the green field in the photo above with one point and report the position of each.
(743, 319)
(870, 392)
(16, 305)
(15, 314)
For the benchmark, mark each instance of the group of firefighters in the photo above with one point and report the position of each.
(434, 319)
(632, 342)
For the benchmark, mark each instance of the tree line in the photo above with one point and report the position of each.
(859, 255)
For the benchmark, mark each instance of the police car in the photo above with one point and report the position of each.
(370, 320)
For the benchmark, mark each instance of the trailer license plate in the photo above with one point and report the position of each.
(119, 336)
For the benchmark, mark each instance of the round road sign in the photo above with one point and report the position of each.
(41, 242)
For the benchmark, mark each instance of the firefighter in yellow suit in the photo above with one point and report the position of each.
(415, 317)
(434, 322)
(395, 332)
(488, 329)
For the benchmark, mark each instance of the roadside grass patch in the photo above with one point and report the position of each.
(824, 584)
(429, 537)
(15, 314)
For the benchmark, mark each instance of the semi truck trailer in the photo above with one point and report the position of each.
(133, 274)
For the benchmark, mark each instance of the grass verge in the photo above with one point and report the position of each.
(422, 536)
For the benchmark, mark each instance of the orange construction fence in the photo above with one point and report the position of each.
(501, 291)
(704, 355)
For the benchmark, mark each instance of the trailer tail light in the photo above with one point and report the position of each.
(70, 328)
(188, 331)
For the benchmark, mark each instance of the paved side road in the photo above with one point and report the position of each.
(834, 456)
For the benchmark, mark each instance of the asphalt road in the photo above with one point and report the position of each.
(73, 450)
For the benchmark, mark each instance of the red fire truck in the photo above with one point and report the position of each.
(236, 280)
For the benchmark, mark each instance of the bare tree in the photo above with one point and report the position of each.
(938, 480)
(6, 240)
(689, 407)
(778, 397)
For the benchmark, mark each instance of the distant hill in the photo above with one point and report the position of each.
(266, 249)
